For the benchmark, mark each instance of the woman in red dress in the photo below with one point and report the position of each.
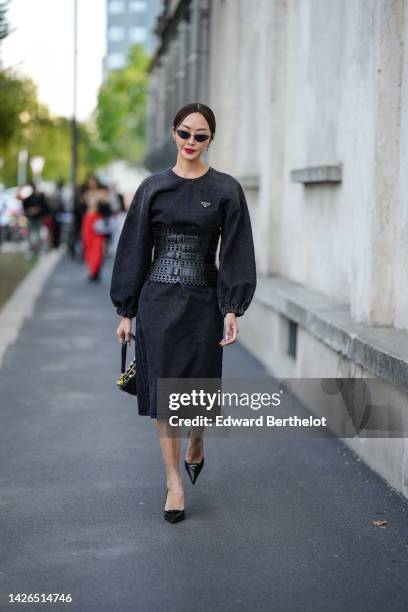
(93, 243)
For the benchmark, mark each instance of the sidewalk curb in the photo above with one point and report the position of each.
(21, 304)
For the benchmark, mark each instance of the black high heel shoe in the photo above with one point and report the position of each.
(193, 469)
(173, 516)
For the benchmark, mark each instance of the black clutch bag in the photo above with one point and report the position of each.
(127, 380)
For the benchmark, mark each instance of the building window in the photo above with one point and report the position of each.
(116, 33)
(116, 6)
(137, 34)
(115, 60)
(137, 6)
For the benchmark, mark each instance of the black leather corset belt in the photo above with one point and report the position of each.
(184, 257)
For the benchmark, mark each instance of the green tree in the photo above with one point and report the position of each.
(26, 123)
(115, 131)
(17, 100)
(120, 113)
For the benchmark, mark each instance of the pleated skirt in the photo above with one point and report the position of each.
(178, 330)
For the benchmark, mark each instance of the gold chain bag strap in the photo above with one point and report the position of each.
(127, 380)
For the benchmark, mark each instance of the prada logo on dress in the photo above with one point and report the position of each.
(205, 204)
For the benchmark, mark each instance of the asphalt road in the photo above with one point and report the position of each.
(272, 524)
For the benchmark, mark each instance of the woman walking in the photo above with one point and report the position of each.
(186, 308)
(93, 240)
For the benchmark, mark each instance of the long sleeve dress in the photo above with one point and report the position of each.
(178, 325)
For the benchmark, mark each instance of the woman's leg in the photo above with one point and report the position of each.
(195, 446)
(170, 447)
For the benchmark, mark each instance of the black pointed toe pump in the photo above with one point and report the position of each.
(173, 516)
(193, 469)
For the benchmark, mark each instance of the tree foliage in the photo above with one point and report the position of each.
(120, 114)
(17, 98)
(115, 131)
(26, 123)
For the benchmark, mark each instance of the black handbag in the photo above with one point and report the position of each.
(127, 380)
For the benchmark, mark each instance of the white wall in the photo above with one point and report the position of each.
(298, 83)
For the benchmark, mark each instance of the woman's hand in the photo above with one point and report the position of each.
(123, 331)
(230, 329)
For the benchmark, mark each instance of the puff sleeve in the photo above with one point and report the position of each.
(236, 281)
(133, 256)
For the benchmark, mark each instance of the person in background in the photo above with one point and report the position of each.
(79, 210)
(57, 207)
(116, 198)
(35, 209)
(118, 220)
(105, 208)
(104, 225)
(48, 222)
(93, 240)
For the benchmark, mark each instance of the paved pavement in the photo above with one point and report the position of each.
(272, 524)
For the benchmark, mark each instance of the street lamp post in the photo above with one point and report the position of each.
(74, 153)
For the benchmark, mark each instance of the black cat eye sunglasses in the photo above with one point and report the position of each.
(198, 137)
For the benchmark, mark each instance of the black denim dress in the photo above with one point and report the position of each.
(179, 325)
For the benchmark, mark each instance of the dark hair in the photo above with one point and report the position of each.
(93, 177)
(196, 107)
(104, 209)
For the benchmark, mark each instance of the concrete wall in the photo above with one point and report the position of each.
(303, 83)
(308, 83)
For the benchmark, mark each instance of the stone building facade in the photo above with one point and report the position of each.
(310, 99)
